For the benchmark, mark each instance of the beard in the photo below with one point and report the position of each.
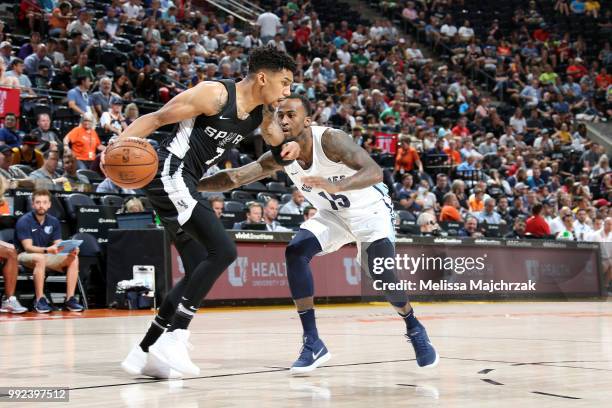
(41, 212)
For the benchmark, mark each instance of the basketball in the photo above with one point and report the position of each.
(130, 162)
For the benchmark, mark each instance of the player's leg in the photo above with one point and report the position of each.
(324, 233)
(384, 248)
(205, 228)
(298, 255)
(138, 360)
(10, 304)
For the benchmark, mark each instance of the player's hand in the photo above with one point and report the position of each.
(321, 183)
(291, 151)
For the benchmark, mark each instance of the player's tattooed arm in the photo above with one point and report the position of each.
(340, 148)
(207, 98)
(229, 179)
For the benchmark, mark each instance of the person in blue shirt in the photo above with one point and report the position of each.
(38, 234)
(8, 134)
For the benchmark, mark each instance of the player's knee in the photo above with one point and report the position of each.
(226, 254)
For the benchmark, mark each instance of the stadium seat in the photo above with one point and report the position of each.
(264, 197)
(112, 201)
(255, 186)
(91, 175)
(234, 206)
(242, 196)
(285, 198)
(276, 187)
(23, 167)
(74, 200)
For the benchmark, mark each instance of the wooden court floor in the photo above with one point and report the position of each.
(540, 354)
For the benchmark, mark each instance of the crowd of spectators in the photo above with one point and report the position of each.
(487, 111)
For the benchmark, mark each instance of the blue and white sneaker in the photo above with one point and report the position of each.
(42, 305)
(72, 305)
(312, 355)
(426, 355)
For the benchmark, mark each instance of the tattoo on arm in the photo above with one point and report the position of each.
(233, 178)
(340, 147)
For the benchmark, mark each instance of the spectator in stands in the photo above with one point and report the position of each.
(604, 236)
(216, 203)
(427, 224)
(309, 212)
(48, 136)
(536, 226)
(17, 71)
(39, 233)
(112, 120)
(27, 153)
(470, 228)
(101, 100)
(268, 23)
(602, 167)
(6, 54)
(70, 170)
(84, 142)
(34, 61)
(59, 19)
(81, 25)
(476, 202)
(78, 97)
(254, 215)
(582, 229)
(450, 209)
(131, 113)
(407, 194)
(62, 81)
(108, 187)
(296, 205)
(270, 212)
(488, 215)
(407, 159)
(441, 188)
(8, 134)
(567, 229)
(133, 205)
(518, 229)
(48, 171)
(6, 161)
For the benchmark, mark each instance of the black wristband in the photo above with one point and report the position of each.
(276, 153)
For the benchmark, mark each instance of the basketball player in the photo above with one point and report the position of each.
(211, 117)
(342, 181)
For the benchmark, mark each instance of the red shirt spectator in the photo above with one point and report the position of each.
(541, 35)
(603, 80)
(577, 70)
(536, 224)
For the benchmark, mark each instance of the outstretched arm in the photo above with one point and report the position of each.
(206, 98)
(233, 178)
(339, 147)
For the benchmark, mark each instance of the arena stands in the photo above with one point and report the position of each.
(482, 99)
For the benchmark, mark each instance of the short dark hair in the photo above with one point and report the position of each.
(80, 79)
(308, 208)
(537, 209)
(41, 192)
(271, 59)
(49, 152)
(305, 102)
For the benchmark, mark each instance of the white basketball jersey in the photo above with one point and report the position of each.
(343, 202)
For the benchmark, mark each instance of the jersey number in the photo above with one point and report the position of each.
(220, 151)
(336, 200)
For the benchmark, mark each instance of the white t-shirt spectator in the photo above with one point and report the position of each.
(84, 29)
(448, 30)
(466, 33)
(269, 23)
(210, 43)
(344, 56)
(131, 10)
(518, 124)
(582, 231)
(107, 119)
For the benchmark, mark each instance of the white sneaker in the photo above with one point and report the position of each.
(12, 305)
(172, 350)
(135, 361)
(157, 369)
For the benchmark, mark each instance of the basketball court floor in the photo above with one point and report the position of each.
(531, 354)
